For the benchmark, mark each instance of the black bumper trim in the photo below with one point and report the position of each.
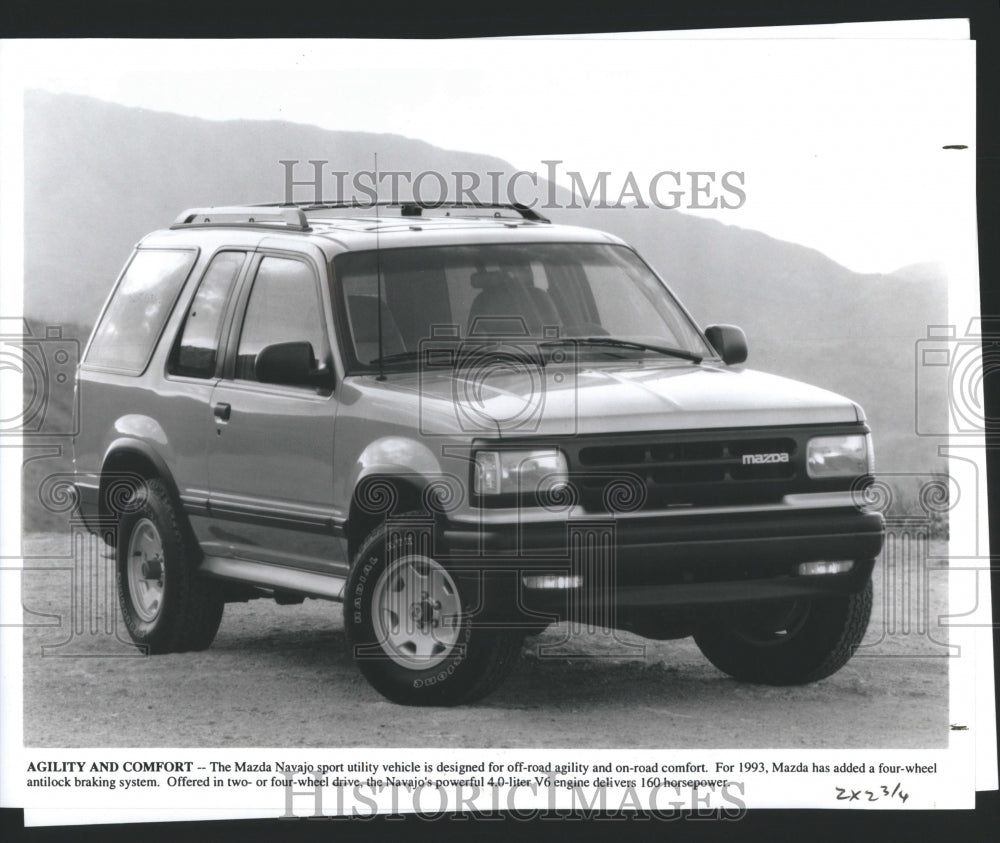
(685, 534)
(674, 561)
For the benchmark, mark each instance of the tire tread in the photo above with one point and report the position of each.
(800, 661)
(193, 624)
(498, 651)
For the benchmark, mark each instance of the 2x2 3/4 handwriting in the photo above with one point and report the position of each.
(849, 794)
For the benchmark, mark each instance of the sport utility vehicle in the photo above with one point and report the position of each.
(465, 424)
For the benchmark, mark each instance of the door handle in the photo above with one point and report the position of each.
(222, 411)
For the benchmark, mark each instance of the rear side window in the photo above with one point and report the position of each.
(198, 347)
(139, 308)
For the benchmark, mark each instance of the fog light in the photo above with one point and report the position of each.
(552, 581)
(809, 568)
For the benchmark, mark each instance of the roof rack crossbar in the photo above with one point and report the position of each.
(290, 218)
(409, 208)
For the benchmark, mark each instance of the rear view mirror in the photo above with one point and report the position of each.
(729, 341)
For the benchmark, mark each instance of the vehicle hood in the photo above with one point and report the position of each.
(562, 400)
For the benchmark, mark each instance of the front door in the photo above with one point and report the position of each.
(271, 454)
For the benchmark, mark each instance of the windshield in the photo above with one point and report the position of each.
(543, 294)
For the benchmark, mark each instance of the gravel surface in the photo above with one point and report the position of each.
(279, 676)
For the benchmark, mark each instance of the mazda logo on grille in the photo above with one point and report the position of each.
(757, 459)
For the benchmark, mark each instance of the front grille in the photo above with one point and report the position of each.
(690, 469)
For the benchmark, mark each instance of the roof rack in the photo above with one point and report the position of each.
(409, 208)
(286, 218)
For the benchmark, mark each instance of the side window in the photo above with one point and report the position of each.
(139, 308)
(284, 306)
(198, 347)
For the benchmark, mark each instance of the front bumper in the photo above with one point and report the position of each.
(657, 561)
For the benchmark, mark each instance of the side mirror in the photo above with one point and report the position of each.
(290, 364)
(729, 341)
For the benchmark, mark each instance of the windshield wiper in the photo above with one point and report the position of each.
(609, 342)
(503, 352)
(613, 342)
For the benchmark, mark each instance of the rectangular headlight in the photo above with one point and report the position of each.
(840, 456)
(527, 472)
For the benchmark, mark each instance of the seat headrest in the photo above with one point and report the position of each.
(489, 278)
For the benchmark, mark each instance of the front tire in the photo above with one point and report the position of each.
(167, 608)
(788, 642)
(410, 627)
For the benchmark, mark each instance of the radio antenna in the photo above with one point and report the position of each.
(378, 278)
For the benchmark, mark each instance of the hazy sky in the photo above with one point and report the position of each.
(840, 141)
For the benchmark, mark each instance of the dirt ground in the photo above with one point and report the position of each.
(279, 676)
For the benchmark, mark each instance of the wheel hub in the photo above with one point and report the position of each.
(152, 569)
(145, 570)
(415, 612)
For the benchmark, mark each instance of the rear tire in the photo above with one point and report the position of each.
(167, 607)
(409, 626)
(787, 643)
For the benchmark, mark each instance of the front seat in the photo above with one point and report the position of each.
(508, 306)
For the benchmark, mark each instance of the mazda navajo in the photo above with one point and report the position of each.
(465, 424)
